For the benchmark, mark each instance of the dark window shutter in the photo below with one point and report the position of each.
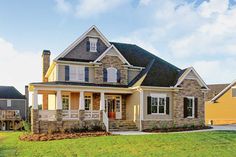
(149, 105)
(86, 69)
(104, 75)
(98, 46)
(196, 107)
(88, 46)
(67, 73)
(118, 76)
(185, 107)
(167, 105)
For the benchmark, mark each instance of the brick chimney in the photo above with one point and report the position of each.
(46, 63)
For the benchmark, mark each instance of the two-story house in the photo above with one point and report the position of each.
(13, 108)
(118, 85)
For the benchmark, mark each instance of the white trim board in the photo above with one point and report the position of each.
(223, 91)
(82, 37)
(122, 58)
(185, 74)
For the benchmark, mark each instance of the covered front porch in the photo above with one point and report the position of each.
(78, 105)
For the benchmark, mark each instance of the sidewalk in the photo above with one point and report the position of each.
(215, 128)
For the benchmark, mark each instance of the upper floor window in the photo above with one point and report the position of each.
(76, 73)
(111, 74)
(8, 103)
(93, 44)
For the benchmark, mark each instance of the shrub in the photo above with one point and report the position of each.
(164, 125)
(96, 128)
(27, 126)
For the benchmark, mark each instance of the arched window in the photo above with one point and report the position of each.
(111, 74)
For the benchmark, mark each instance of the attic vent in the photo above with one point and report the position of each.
(92, 45)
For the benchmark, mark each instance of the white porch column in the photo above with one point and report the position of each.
(59, 101)
(81, 101)
(102, 101)
(35, 99)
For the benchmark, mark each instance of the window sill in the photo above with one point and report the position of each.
(159, 114)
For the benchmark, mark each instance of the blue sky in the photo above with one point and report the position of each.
(198, 33)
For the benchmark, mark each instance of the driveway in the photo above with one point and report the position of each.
(225, 127)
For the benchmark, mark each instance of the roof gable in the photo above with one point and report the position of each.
(91, 32)
(190, 73)
(223, 91)
(112, 51)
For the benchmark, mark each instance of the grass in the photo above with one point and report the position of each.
(219, 143)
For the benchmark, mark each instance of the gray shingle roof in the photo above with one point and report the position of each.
(159, 72)
(9, 92)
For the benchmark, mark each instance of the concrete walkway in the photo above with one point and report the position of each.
(215, 128)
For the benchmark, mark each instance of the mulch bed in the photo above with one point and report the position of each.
(179, 129)
(60, 136)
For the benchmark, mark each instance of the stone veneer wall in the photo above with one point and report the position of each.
(111, 61)
(60, 125)
(189, 88)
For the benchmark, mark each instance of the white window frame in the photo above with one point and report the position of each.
(193, 106)
(8, 103)
(77, 73)
(66, 95)
(112, 75)
(89, 97)
(158, 97)
(93, 44)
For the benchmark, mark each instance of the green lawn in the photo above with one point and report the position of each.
(180, 144)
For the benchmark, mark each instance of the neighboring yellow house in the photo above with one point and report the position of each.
(221, 109)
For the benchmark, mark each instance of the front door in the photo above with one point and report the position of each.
(113, 106)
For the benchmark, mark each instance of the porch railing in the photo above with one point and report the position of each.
(105, 120)
(49, 115)
(92, 115)
(9, 114)
(70, 114)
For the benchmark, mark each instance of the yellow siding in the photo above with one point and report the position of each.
(223, 111)
(133, 107)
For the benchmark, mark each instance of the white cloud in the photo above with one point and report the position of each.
(63, 6)
(18, 68)
(190, 35)
(216, 71)
(90, 8)
(207, 9)
(144, 2)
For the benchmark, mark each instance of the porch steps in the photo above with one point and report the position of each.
(122, 125)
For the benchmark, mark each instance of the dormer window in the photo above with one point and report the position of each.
(93, 44)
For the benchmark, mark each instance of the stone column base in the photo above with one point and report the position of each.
(81, 115)
(35, 121)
